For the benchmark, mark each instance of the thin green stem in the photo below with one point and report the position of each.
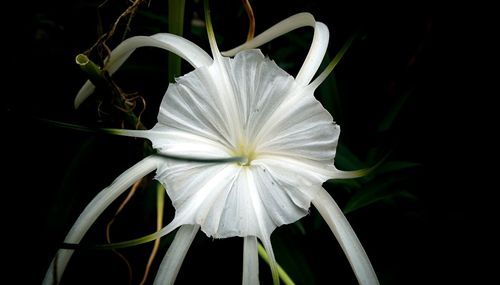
(285, 278)
(210, 31)
(101, 78)
(91, 69)
(160, 207)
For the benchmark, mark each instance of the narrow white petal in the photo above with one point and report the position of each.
(316, 51)
(178, 45)
(93, 210)
(266, 241)
(84, 92)
(342, 174)
(250, 261)
(289, 24)
(315, 55)
(184, 48)
(346, 237)
(171, 263)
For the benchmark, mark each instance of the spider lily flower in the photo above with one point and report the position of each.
(275, 141)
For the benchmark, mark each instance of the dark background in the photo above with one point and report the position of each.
(415, 49)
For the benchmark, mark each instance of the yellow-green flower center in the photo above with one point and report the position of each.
(246, 152)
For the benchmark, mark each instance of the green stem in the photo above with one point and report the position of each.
(281, 272)
(92, 70)
(176, 27)
(101, 79)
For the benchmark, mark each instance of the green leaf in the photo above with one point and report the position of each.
(176, 27)
(328, 93)
(393, 112)
(375, 192)
(291, 257)
(346, 160)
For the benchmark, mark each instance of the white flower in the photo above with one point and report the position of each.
(246, 108)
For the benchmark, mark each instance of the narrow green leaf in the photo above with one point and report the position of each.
(285, 278)
(328, 94)
(176, 27)
(375, 192)
(393, 112)
(346, 160)
(292, 257)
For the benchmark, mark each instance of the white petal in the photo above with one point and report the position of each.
(171, 263)
(278, 117)
(181, 143)
(260, 87)
(265, 227)
(346, 237)
(300, 127)
(250, 261)
(282, 192)
(196, 105)
(342, 174)
(93, 210)
(231, 200)
(178, 45)
(315, 55)
(266, 241)
(316, 52)
(184, 48)
(198, 191)
(295, 171)
(258, 103)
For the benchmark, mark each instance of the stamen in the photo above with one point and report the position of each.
(244, 161)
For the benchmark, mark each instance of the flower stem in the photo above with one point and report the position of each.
(91, 69)
(281, 272)
(251, 19)
(160, 206)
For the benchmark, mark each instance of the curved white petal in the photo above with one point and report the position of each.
(171, 263)
(266, 241)
(346, 237)
(315, 55)
(178, 45)
(250, 261)
(351, 174)
(93, 210)
(316, 52)
(184, 48)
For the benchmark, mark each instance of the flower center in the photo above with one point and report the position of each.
(247, 154)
